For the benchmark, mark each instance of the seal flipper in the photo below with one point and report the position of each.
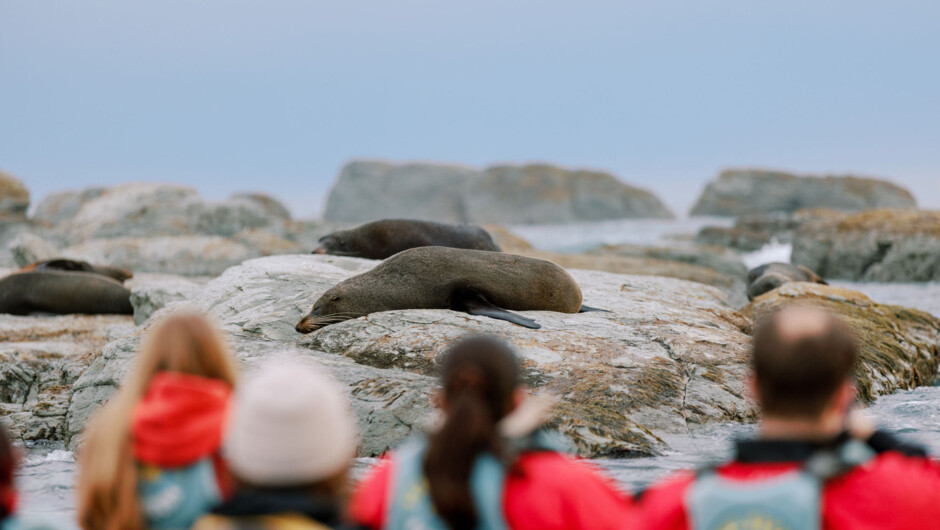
(475, 304)
(588, 309)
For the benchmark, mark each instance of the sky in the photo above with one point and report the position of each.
(275, 96)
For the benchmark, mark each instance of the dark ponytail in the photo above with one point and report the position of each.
(479, 376)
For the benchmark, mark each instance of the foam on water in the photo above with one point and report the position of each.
(771, 253)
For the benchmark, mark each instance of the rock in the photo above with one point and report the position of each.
(369, 191)
(183, 255)
(507, 241)
(716, 258)
(155, 210)
(154, 294)
(307, 232)
(670, 356)
(272, 206)
(875, 246)
(753, 232)
(28, 247)
(40, 359)
(56, 208)
(899, 346)
(9, 232)
(739, 192)
(543, 194)
(14, 198)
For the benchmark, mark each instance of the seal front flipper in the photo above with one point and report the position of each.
(588, 309)
(475, 304)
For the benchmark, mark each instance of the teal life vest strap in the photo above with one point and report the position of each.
(791, 501)
(411, 507)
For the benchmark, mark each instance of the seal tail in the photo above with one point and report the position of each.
(475, 304)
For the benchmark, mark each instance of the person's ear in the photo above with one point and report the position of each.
(752, 389)
(518, 396)
(436, 397)
(845, 397)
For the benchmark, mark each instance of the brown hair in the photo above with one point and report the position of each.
(799, 370)
(479, 376)
(107, 475)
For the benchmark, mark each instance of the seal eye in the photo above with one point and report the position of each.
(336, 299)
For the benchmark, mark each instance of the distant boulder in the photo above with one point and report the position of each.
(14, 198)
(873, 246)
(532, 194)
(61, 206)
(751, 191)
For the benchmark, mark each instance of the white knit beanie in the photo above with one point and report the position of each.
(290, 425)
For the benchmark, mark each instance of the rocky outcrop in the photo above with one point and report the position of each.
(151, 293)
(899, 346)
(28, 247)
(59, 207)
(753, 232)
(671, 355)
(368, 191)
(40, 360)
(14, 198)
(879, 245)
(739, 192)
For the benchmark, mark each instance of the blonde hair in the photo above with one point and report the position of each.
(107, 475)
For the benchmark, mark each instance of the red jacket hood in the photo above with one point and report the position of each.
(180, 419)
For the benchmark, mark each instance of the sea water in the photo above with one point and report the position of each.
(46, 477)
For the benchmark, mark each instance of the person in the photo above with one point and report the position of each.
(151, 457)
(813, 464)
(290, 445)
(467, 475)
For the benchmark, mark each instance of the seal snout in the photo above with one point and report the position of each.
(319, 250)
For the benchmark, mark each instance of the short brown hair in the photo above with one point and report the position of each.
(799, 371)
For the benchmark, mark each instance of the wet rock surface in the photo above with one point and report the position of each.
(368, 191)
(739, 192)
(878, 246)
(899, 346)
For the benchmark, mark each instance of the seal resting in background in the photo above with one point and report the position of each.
(72, 265)
(63, 293)
(383, 239)
(473, 281)
(768, 277)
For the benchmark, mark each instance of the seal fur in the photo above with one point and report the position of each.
(385, 238)
(63, 293)
(768, 277)
(72, 265)
(473, 281)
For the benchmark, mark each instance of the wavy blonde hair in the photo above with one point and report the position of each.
(107, 474)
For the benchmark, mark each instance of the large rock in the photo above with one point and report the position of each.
(536, 194)
(14, 198)
(751, 191)
(58, 207)
(40, 359)
(880, 246)
(671, 355)
(28, 247)
(183, 255)
(899, 346)
(752, 232)
(154, 210)
(155, 293)
(367, 191)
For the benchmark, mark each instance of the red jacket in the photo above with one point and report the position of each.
(544, 490)
(894, 490)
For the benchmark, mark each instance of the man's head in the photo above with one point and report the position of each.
(803, 361)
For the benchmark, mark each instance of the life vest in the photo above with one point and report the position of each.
(411, 507)
(174, 498)
(791, 501)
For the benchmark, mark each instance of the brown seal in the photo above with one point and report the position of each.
(772, 275)
(473, 281)
(63, 293)
(383, 239)
(72, 265)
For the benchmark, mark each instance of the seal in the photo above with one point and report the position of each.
(383, 239)
(768, 277)
(72, 265)
(63, 293)
(472, 281)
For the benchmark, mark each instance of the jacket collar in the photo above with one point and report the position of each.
(259, 502)
(778, 451)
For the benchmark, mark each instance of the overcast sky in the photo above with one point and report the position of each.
(275, 96)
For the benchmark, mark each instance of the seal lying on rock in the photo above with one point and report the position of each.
(63, 293)
(473, 281)
(383, 239)
(768, 277)
(63, 264)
